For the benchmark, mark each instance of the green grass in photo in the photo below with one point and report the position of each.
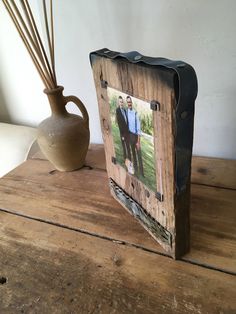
(147, 148)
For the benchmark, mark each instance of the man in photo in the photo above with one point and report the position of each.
(134, 136)
(122, 121)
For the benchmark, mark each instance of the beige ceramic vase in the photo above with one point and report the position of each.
(64, 137)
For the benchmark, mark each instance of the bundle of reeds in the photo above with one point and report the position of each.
(22, 16)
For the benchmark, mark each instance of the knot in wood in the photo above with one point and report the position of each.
(105, 125)
(117, 260)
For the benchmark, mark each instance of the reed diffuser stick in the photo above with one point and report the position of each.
(47, 31)
(33, 43)
(35, 37)
(39, 40)
(52, 40)
(28, 31)
(30, 50)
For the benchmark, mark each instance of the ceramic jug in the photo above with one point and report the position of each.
(64, 137)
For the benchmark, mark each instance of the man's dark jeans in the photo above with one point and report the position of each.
(135, 151)
(126, 145)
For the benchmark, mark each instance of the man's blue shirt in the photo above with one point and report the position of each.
(133, 122)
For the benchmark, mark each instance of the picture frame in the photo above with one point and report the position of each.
(158, 105)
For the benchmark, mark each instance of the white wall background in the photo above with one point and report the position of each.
(201, 33)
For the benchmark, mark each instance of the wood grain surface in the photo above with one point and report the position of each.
(214, 172)
(147, 83)
(49, 269)
(209, 171)
(78, 251)
(82, 200)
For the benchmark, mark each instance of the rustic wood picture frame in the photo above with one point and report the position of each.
(170, 87)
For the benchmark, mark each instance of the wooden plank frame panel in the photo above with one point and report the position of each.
(164, 213)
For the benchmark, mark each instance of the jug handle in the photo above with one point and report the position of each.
(80, 105)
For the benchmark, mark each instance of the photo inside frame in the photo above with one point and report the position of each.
(132, 132)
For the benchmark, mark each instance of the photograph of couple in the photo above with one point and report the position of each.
(132, 131)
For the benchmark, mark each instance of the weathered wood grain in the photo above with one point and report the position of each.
(209, 171)
(82, 200)
(95, 157)
(147, 83)
(54, 270)
(213, 228)
(214, 172)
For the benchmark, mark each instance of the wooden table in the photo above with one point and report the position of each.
(67, 247)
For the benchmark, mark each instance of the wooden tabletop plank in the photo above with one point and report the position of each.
(209, 171)
(95, 157)
(78, 199)
(81, 200)
(213, 228)
(49, 269)
(214, 172)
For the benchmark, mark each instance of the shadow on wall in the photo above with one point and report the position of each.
(4, 113)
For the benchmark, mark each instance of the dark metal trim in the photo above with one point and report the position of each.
(155, 105)
(104, 84)
(113, 160)
(160, 196)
